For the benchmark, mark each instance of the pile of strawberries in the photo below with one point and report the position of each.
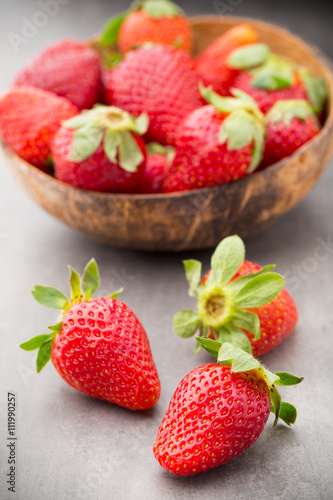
(100, 348)
(137, 113)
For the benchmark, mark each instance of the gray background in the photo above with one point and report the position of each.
(73, 447)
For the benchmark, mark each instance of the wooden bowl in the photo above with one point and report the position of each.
(197, 219)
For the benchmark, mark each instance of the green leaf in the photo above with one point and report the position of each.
(77, 121)
(240, 360)
(161, 8)
(44, 355)
(247, 320)
(116, 294)
(223, 104)
(286, 111)
(35, 342)
(110, 144)
(193, 276)
(315, 88)
(235, 286)
(237, 130)
(275, 404)
(130, 154)
(154, 148)
(211, 346)
(186, 323)
(75, 282)
(276, 74)
(140, 125)
(249, 56)
(246, 99)
(226, 260)
(90, 280)
(50, 297)
(111, 30)
(56, 328)
(86, 142)
(240, 129)
(288, 413)
(287, 379)
(271, 377)
(235, 336)
(260, 291)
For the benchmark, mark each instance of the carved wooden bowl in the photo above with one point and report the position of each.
(197, 219)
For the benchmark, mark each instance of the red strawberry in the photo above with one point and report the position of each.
(100, 348)
(290, 124)
(160, 81)
(152, 21)
(217, 143)
(68, 68)
(218, 411)
(101, 150)
(29, 119)
(277, 319)
(238, 302)
(158, 164)
(212, 64)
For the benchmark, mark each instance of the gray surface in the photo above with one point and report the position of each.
(73, 447)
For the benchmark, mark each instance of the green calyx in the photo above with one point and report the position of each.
(241, 361)
(243, 126)
(154, 148)
(157, 9)
(249, 56)
(223, 303)
(113, 127)
(286, 111)
(82, 289)
(315, 88)
(275, 74)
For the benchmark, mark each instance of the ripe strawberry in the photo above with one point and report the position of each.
(158, 80)
(158, 164)
(212, 64)
(99, 347)
(238, 302)
(279, 79)
(155, 21)
(29, 119)
(218, 411)
(101, 150)
(68, 68)
(217, 143)
(290, 124)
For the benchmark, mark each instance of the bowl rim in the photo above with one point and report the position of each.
(317, 54)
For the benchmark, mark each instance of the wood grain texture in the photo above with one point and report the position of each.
(197, 219)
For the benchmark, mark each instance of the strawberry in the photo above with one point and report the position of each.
(290, 124)
(219, 410)
(279, 79)
(68, 68)
(158, 164)
(29, 119)
(158, 80)
(99, 347)
(218, 143)
(238, 302)
(155, 21)
(212, 63)
(101, 150)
